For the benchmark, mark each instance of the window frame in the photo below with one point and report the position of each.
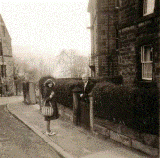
(145, 7)
(143, 62)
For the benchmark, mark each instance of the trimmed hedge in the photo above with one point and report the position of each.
(146, 110)
(136, 107)
(112, 102)
(64, 89)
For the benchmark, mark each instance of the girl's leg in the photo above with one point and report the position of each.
(48, 126)
(48, 132)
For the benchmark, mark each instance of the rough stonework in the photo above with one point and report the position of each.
(6, 61)
(119, 31)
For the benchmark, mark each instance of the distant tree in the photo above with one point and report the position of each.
(80, 64)
(70, 64)
(24, 72)
(17, 70)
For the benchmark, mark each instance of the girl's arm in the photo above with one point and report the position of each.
(51, 96)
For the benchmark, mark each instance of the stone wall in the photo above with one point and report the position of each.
(143, 142)
(107, 37)
(127, 54)
(103, 36)
(135, 31)
(127, 11)
(127, 39)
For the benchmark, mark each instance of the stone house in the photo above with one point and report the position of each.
(125, 40)
(6, 61)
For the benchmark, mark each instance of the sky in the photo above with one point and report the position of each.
(48, 26)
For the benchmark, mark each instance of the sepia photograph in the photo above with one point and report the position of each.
(79, 79)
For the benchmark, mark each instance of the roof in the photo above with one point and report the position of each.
(2, 23)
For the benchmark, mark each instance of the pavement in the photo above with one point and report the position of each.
(70, 141)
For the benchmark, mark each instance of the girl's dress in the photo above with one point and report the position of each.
(46, 95)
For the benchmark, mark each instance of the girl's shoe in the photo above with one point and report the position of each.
(50, 133)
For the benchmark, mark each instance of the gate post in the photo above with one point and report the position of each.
(91, 106)
(32, 93)
(25, 92)
(76, 106)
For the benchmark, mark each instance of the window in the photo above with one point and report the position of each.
(117, 4)
(3, 70)
(148, 7)
(147, 60)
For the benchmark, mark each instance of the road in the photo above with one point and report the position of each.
(18, 141)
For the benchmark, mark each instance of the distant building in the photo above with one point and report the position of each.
(6, 61)
(125, 40)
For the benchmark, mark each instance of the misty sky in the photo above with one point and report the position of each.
(48, 26)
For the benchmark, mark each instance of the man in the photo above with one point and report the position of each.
(87, 88)
(84, 101)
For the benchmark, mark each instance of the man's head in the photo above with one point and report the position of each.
(85, 78)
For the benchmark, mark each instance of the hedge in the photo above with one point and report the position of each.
(146, 110)
(64, 89)
(136, 107)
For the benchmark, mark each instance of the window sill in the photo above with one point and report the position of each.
(147, 79)
(146, 17)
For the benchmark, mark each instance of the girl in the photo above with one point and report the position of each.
(49, 96)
